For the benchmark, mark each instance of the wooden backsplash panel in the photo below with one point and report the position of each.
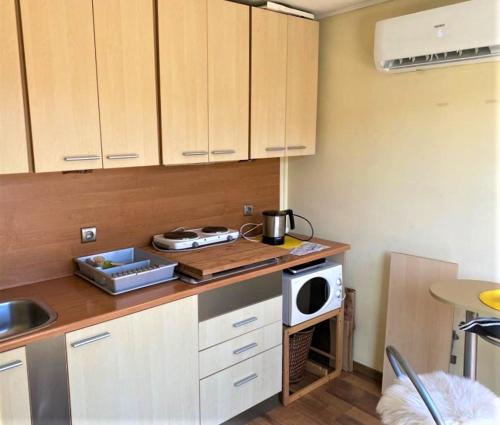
(41, 214)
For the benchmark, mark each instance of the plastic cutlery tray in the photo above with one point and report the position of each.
(138, 269)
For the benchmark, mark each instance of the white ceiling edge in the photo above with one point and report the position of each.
(346, 9)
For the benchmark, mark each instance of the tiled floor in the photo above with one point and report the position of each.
(349, 400)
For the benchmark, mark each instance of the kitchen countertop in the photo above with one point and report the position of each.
(79, 304)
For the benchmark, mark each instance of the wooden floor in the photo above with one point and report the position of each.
(348, 400)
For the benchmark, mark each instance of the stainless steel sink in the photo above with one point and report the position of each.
(22, 316)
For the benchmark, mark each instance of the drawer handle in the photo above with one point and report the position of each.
(245, 380)
(244, 322)
(275, 149)
(223, 152)
(195, 153)
(82, 158)
(123, 156)
(90, 340)
(296, 147)
(245, 348)
(12, 365)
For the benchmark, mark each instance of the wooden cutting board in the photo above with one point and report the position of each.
(205, 262)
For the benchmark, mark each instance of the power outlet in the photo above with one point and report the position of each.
(88, 234)
(248, 210)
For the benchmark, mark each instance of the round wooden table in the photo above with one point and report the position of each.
(465, 294)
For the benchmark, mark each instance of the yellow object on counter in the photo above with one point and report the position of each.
(291, 243)
(491, 298)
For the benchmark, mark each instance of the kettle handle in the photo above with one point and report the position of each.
(289, 213)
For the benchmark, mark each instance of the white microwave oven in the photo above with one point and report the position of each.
(311, 293)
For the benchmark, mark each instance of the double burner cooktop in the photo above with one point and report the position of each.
(195, 238)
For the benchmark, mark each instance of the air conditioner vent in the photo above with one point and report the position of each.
(462, 33)
(440, 58)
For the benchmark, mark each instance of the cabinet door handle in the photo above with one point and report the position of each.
(82, 158)
(245, 348)
(123, 156)
(11, 365)
(90, 340)
(195, 153)
(223, 152)
(244, 322)
(275, 149)
(297, 147)
(245, 380)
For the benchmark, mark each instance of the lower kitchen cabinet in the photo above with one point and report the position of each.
(237, 349)
(137, 369)
(236, 389)
(14, 392)
(240, 347)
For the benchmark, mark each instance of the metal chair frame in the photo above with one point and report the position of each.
(402, 368)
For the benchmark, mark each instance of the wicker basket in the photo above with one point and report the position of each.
(300, 343)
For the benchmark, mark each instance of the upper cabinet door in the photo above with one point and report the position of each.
(182, 32)
(269, 63)
(13, 144)
(302, 86)
(125, 49)
(62, 86)
(228, 80)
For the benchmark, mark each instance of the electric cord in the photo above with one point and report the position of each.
(244, 233)
(310, 225)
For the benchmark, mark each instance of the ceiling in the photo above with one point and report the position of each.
(323, 8)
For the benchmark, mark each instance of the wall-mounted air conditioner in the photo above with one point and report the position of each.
(458, 34)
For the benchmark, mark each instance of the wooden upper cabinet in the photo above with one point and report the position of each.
(183, 38)
(302, 86)
(125, 51)
(13, 138)
(228, 80)
(284, 85)
(62, 85)
(268, 99)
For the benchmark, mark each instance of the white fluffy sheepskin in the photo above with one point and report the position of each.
(459, 400)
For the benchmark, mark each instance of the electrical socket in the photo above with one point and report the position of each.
(88, 234)
(248, 210)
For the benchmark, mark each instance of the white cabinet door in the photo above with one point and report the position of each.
(14, 393)
(138, 369)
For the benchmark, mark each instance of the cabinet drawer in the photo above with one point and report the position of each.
(234, 390)
(239, 322)
(240, 348)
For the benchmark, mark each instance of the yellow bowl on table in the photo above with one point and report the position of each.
(491, 298)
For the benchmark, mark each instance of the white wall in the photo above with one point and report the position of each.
(405, 162)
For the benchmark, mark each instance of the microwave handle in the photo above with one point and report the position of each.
(292, 220)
